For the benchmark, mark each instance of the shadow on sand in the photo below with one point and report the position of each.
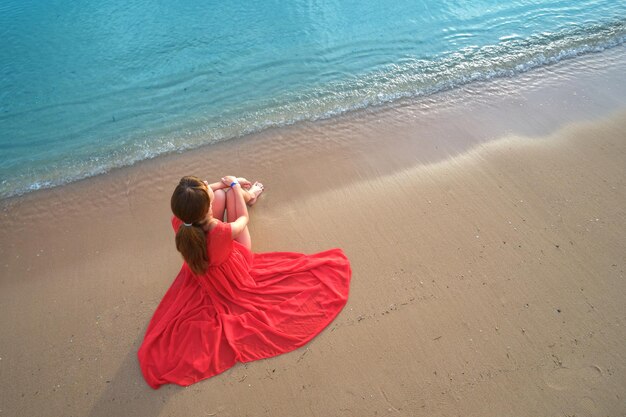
(127, 394)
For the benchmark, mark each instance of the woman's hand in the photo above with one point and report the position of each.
(229, 179)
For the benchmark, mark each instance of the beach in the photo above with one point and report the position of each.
(486, 238)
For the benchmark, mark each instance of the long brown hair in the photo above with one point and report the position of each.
(190, 203)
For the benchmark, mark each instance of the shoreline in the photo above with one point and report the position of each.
(567, 73)
(486, 244)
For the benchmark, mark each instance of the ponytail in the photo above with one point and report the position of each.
(191, 243)
(190, 203)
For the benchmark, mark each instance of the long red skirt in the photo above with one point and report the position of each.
(246, 307)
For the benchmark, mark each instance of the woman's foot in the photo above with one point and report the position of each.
(255, 191)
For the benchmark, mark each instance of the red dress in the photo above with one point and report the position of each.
(246, 307)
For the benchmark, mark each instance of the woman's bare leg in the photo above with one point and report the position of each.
(231, 216)
(253, 193)
(219, 205)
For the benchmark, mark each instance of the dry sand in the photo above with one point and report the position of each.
(487, 240)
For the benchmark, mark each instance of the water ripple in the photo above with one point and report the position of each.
(86, 87)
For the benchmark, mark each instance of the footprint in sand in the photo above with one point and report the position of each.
(562, 379)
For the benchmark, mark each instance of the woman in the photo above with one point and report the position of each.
(228, 304)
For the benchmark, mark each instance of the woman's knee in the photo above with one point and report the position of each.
(219, 194)
(219, 204)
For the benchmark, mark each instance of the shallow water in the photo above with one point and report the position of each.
(85, 87)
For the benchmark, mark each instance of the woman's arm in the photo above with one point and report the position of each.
(220, 185)
(240, 209)
(217, 186)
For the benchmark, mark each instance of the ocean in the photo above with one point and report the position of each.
(86, 87)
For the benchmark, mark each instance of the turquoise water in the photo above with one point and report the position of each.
(89, 86)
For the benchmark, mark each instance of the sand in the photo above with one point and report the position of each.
(486, 238)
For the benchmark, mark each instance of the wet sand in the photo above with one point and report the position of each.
(486, 238)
